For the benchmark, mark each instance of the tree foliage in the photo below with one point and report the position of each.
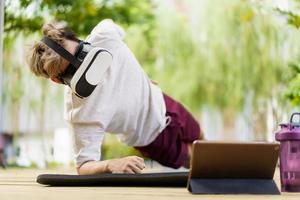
(81, 16)
(231, 49)
(293, 91)
(214, 53)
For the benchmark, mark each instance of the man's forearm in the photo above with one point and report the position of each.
(93, 167)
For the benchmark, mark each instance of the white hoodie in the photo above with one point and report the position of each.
(125, 102)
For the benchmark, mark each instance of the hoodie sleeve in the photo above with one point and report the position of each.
(87, 134)
(88, 139)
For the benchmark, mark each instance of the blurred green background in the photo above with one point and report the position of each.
(234, 64)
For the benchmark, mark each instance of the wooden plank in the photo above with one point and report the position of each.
(20, 184)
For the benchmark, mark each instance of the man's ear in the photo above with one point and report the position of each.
(56, 80)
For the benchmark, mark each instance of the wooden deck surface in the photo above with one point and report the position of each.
(21, 185)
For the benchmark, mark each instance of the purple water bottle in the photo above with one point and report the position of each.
(289, 138)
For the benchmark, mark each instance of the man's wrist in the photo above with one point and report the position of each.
(106, 166)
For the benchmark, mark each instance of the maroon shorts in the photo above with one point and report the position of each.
(170, 148)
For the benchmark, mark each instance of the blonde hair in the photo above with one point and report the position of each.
(43, 61)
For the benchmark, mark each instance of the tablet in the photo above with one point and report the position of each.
(233, 160)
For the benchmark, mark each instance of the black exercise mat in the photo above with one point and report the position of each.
(169, 179)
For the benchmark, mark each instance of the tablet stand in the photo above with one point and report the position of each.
(232, 186)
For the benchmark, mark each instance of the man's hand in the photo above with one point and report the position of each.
(128, 165)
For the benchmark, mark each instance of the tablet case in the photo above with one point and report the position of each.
(233, 168)
(232, 186)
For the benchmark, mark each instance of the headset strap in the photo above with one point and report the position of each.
(61, 51)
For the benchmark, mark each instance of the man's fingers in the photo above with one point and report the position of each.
(140, 159)
(137, 158)
(129, 170)
(139, 164)
(135, 168)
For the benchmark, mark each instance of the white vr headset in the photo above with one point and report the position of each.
(86, 69)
